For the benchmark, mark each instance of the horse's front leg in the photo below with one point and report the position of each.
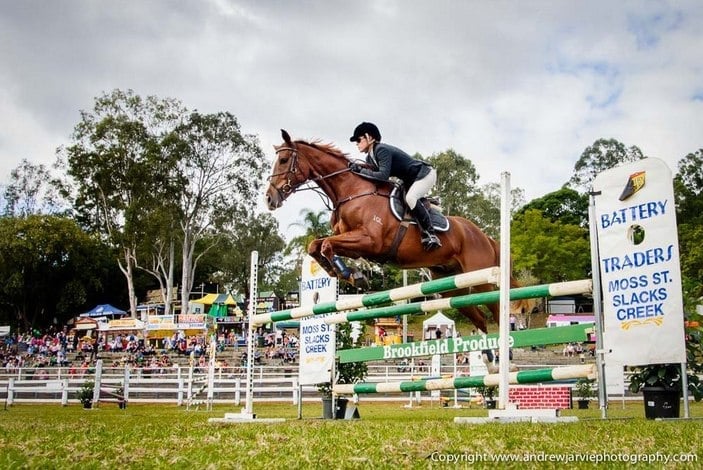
(355, 244)
(314, 250)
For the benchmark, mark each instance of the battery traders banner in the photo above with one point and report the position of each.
(317, 339)
(639, 264)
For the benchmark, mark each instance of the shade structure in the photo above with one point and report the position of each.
(103, 310)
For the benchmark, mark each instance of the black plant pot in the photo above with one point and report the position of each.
(491, 404)
(87, 405)
(122, 404)
(583, 404)
(660, 402)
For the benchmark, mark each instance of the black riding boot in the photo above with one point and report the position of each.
(429, 239)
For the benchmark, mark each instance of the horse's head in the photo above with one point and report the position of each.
(286, 174)
(298, 162)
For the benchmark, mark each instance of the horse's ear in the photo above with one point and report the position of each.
(286, 137)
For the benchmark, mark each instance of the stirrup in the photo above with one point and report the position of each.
(430, 241)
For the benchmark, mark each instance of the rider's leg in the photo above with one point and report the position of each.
(418, 189)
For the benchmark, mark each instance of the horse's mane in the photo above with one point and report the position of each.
(329, 149)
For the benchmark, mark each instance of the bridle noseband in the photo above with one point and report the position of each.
(288, 188)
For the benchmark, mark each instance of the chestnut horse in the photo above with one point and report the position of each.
(364, 226)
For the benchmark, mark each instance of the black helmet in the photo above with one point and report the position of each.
(363, 129)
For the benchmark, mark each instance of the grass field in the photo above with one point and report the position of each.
(387, 436)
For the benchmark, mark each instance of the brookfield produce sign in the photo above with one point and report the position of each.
(465, 344)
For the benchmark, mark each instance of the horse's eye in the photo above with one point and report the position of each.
(283, 160)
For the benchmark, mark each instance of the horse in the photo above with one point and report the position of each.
(364, 227)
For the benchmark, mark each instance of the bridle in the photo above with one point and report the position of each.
(292, 186)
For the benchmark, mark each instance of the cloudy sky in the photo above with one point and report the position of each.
(518, 86)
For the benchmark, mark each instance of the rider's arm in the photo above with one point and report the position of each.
(384, 159)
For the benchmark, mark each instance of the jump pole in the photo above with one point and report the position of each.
(521, 377)
(543, 290)
(436, 286)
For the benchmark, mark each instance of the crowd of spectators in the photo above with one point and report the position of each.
(78, 351)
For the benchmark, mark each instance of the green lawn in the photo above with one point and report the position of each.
(387, 436)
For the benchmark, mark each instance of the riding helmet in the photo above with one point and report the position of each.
(363, 129)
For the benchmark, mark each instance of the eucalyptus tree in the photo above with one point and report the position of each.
(32, 190)
(602, 155)
(118, 169)
(220, 172)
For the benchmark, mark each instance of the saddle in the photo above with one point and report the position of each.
(400, 209)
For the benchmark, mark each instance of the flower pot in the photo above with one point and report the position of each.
(491, 404)
(87, 405)
(660, 402)
(583, 404)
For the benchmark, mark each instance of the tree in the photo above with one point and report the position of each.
(258, 232)
(31, 191)
(564, 205)
(688, 186)
(316, 225)
(688, 192)
(457, 182)
(49, 267)
(221, 171)
(119, 169)
(602, 155)
(550, 251)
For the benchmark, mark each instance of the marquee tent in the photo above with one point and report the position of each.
(438, 322)
(103, 310)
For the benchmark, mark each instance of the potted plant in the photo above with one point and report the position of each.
(488, 393)
(661, 384)
(85, 394)
(584, 391)
(119, 394)
(346, 373)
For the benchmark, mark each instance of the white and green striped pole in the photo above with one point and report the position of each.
(543, 290)
(424, 385)
(459, 281)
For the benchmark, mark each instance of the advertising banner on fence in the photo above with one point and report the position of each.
(317, 339)
(639, 264)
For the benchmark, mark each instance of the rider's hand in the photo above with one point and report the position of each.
(355, 167)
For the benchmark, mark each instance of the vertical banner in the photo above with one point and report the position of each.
(639, 264)
(317, 340)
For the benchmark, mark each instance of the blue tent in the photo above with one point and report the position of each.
(103, 310)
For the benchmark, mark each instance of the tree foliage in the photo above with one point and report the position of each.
(119, 170)
(564, 205)
(31, 191)
(688, 186)
(602, 155)
(49, 267)
(549, 251)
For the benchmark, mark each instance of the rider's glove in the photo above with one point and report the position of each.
(355, 167)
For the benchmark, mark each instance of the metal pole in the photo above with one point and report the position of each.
(253, 295)
(684, 384)
(504, 320)
(597, 305)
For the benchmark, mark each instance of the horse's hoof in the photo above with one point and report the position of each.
(359, 280)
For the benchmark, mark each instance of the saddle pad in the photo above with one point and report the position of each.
(399, 209)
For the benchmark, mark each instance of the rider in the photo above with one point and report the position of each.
(385, 161)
